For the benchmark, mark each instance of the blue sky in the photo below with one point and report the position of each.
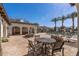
(40, 13)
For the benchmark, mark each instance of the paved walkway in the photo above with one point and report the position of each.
(16, 46)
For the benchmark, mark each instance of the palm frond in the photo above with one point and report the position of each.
(54, 19)
(74, 14)
(72, 4)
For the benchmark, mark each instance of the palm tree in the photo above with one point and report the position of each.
(72, 15)
(55, 21)
(62, 19)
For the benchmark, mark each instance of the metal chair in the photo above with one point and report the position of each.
(35, 49)
(58, 46)
(35, 39)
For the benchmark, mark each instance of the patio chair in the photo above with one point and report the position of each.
(34, 49)
(28, 35)
(35, 38)
(72, 39)
(58, 46)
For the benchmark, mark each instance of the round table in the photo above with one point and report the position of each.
(46, 41)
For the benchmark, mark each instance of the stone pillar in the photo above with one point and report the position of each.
(35, 30)
(77, 6)
(6, 30)
(10, 29)
(1, 29)
(20, 30)
(28, 29)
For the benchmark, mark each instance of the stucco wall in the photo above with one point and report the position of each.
(4, 29)
(21, 26)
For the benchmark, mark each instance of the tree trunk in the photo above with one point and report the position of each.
(73, 24)
(62, 25)
(55, 25)
(62, 22)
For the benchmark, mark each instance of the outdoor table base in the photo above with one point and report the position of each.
(44, 48)
(45, 42)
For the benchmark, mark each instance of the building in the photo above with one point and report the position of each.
(10, 27)
(19, 27)
(4, 22)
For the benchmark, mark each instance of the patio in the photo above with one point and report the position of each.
(18, 46)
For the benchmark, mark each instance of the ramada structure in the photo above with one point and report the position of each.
(10, 27)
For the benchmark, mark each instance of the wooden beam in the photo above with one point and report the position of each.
(1, 8)
(3, 15)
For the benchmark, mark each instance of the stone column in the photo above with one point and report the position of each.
(1, 29)
(4, 28)
(7, 30)
(35, 30)
(28, 29)
(10, 29)
(77, 6)
(20, 30)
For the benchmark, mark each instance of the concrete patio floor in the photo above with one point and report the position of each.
(18, 46)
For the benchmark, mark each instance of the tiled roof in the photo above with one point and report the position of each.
(16, 21)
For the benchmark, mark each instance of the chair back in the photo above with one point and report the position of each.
(37, 36)
(30, 43)
(59, 43)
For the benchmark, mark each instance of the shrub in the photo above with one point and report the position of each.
(4, 40)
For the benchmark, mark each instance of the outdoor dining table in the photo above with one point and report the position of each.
(46, 41)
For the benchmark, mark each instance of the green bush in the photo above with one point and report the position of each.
(4, 40)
